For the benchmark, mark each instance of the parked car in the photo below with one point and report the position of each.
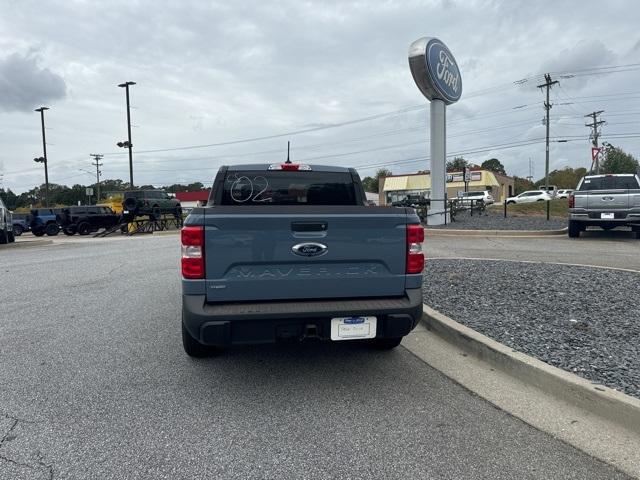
(6, 224)
(87, 219)
(44, 220)
(553, 190)
(530, 197)
(153, 203)
(473, 198)
(288, 252)
(605, 201)
(564, 193)
(20, 223)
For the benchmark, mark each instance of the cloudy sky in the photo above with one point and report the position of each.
(215, 78)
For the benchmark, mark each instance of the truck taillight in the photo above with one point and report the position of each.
(415, 257)
(572, 201)
(192, 252)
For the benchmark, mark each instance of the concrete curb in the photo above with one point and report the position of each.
(444, 232)
(601, 401)
(28, 243)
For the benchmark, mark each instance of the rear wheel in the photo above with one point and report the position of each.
(84, 228)
(11, 237)
(386, 343)
(574, 229)
(70, 230)
(155, 213)
(52, 229)
(17, 230)
(4, 236)
(38, 232)
(193, 347)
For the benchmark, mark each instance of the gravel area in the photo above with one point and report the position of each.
(581, 319)
(493, 220)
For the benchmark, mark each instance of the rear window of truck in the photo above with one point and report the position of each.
(280, 187)
(609, 183)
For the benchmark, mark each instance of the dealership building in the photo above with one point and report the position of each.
(395, 188)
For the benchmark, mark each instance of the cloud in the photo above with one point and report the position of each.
(24, 85)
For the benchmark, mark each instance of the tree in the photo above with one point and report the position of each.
(369, 184)
(382, 172)
(9, 198)
(618, 161)
(522, 185)
(565, 178)
(457, 164)
(192, 187)
(494, 165)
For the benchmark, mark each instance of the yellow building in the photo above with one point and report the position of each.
(395, 188)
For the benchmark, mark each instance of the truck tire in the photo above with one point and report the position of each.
(17, 230)
(4, 236)
(386, 343)
(155, 213)
(574, 229)
(130, 204)
(193, 347)
(52, 229)
(38, 231)
(70, 230)
(84, 228)
(12, 237)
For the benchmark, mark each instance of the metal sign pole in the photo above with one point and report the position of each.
(438, 134)
(437, 76)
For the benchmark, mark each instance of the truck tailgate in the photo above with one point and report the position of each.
(258, 253)
(608, 200)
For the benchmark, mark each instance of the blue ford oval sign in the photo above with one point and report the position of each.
(309, 249)
(434, 70)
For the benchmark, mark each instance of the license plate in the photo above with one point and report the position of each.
(352, 328)
(607, 215)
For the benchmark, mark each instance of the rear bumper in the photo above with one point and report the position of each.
(267, 322)
(593, 217)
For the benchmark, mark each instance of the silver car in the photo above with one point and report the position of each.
(469, 198)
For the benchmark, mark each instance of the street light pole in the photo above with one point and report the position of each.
(125, 85)
(44, 148)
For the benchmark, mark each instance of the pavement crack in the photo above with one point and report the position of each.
(40, 465)
(6, 435)
(116, 268)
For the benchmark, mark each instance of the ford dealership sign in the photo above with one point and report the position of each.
(434, 70)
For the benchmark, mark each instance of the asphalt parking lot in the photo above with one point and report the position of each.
(94, 384)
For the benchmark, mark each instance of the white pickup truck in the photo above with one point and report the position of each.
(605, 201)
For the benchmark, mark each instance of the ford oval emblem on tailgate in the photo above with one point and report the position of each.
(309, 249)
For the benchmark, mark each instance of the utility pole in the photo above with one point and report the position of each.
(97, 157)
(43, 159)
(128, 144)
(595, 159)
(547, 106)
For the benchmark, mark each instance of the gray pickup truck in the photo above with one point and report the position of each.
(288, 252)
(605, 201)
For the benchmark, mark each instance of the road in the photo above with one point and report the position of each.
(94, 384)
